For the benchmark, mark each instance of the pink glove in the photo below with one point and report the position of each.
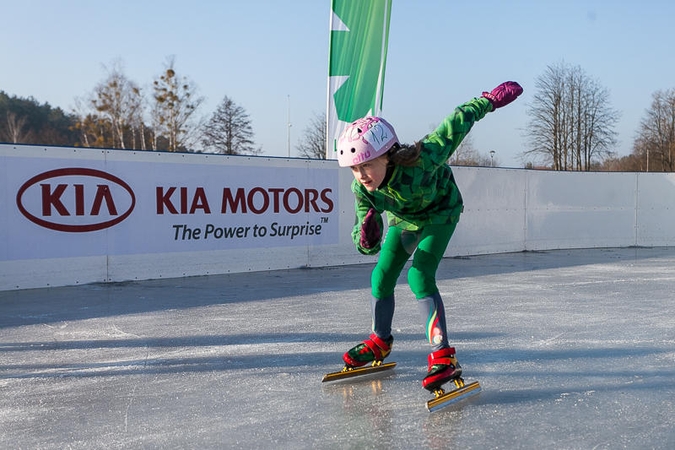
(370, 230)
(503, 94)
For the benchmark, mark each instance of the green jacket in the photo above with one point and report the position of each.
(426, 193)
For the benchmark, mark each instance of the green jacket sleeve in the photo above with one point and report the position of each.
(362, 205)
(445, 139)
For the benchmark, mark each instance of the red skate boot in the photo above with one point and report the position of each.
(443, 367)
(372, 349)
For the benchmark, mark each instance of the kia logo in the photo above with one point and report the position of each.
(75, 200)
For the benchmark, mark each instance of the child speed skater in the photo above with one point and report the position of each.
(415, 187)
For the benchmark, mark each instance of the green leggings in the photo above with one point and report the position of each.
(430, 243)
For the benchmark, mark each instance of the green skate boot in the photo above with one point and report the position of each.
(372, 349)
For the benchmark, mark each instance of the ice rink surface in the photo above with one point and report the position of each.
(574, 349)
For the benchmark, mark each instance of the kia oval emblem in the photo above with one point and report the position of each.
(75, 200)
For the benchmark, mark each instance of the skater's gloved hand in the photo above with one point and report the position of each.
(503, 94)
(370, 230)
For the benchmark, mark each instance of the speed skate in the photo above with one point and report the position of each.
(460, 392)
(350, 372)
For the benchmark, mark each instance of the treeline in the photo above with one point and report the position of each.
(120, 114)
(572, 126)
(25, 120)
(571, 123)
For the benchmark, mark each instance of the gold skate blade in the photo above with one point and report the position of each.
(453, 396)
(357, 371)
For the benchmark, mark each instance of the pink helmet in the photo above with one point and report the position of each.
(365, 139)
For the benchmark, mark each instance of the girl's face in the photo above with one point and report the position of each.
(371, 173)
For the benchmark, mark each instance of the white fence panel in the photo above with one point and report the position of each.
(580, 210)
(655, 215)
(493, 220)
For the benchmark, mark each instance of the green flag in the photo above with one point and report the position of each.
(359, 33)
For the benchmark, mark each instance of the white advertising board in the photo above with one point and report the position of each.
(80, 207)
(71, 216)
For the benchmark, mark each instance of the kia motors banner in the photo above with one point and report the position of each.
(359, 33)
(58, 208)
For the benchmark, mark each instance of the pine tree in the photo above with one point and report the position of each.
(229, 130)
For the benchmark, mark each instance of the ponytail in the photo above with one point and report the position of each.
(406, 154)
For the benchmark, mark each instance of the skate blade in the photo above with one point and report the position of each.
(454, 396)
(357, 371)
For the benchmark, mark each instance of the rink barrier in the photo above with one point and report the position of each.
(72, 216)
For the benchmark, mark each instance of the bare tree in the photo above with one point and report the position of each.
(654, 144)
(91, 127)
(118, 100)
(229, 130)
(175, 104)
(156, 124)
(16, 128)
(313, 142)
(572, 122)
(466, 154)
(112, 114)
(92, 130)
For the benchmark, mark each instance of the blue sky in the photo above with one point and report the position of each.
(263, 53)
